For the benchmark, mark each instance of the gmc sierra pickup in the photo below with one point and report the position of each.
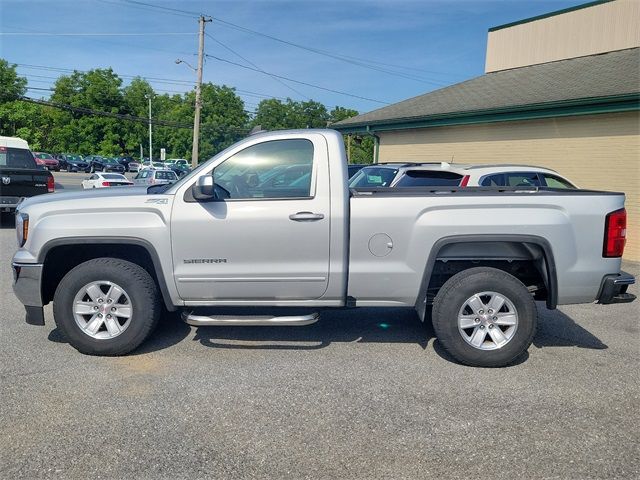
(270, 222)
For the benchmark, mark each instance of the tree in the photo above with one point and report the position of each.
(12, 86)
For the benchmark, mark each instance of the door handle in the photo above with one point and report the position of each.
(306, 217)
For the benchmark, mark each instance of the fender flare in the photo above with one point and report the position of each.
(155, 259)
(551, 280)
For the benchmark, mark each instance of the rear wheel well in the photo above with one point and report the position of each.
(529, 262)
(61, 259)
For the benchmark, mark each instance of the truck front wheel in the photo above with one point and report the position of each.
(484, 317)
(106, 306)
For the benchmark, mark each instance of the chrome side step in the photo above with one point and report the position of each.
(249, 320)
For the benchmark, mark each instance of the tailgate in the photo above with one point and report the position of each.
(23, 182)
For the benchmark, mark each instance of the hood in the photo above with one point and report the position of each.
(101, 193)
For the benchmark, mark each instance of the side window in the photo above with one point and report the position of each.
(493, 181)
(522, 179)
(556, 182)
(273, 169)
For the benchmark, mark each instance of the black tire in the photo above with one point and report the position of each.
(452, 297)
(139, 286)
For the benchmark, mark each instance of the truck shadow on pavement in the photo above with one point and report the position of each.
(363, 325)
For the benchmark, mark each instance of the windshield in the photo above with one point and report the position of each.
(108, 160)
(73, 158)
(44, 156)
(113, 176)
(373, 177)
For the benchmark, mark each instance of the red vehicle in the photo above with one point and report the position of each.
(47, 160)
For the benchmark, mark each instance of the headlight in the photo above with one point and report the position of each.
(22, 228)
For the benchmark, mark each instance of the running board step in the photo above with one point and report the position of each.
(249, 320)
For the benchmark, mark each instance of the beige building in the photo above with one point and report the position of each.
(561, 90)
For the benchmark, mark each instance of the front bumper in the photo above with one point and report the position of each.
(614, 289)
(27, 280)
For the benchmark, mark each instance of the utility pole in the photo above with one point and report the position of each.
(196, 118)
(150, 131)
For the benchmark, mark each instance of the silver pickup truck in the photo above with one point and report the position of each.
(271, 223)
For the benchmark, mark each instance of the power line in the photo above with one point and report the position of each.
(297, 81)
(343, 58)
(146, 6)
(365, 63)
(94, 34)
(256, 66)
(99, 113)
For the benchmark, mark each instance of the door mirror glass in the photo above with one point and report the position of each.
(205, 189)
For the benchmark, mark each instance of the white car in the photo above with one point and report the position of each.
(446, 174)
(155, 176)
(134, 167)
(152, 166)
(102, 180)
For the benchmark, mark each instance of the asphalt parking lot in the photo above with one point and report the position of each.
(361, 394)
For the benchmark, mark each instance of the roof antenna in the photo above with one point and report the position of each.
(452, 157)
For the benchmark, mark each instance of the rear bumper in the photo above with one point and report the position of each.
(614, 289)
(9, 203)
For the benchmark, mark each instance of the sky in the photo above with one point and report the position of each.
(409, 47)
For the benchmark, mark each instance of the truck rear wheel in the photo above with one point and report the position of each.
(106, 306)
(484, 317)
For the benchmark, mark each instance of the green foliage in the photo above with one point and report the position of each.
(223, 117)
(11, 85)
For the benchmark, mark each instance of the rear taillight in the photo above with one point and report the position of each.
(615, 233)
(106, 184)
(51, 184)
(465, 181)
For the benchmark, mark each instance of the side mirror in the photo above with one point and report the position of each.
(205, 189)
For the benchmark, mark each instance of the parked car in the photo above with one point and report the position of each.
(101, 180)
(179, 169)
(456, 175)
(479, 257)
(47, 161)
(134, 166)
(20, 174)
(126, 161)
(352, 169)
(153, 165)
(105, 164)
(154, 176)
(62, 161)
(176, 161)
(74, 163)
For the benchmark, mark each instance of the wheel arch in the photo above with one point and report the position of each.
(87, 248)
(501, 247)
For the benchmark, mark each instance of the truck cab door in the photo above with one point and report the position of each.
(266, 236)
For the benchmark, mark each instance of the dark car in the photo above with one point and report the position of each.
(126, 161)
(21, 176)
(105, 164)
(62, 161)
(46, 160)
(179, 169)
(75, 163)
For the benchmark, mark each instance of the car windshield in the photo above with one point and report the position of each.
(158, 164)
(44, 156)
(73, 158)
(108, 160)
(113, 176)
(373, 177)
